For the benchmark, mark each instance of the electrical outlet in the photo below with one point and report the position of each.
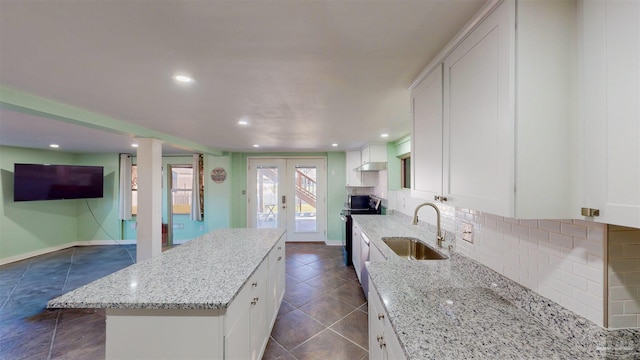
(467, 232)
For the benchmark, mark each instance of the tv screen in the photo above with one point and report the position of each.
(55, 182)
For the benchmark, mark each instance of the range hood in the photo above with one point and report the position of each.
(372, 166)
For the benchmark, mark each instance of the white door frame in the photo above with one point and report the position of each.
(286, 166)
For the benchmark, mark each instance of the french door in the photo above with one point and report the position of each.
(288, 193)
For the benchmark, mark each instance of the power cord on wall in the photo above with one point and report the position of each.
(106, 232)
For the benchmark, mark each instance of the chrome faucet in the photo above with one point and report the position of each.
(439, 237)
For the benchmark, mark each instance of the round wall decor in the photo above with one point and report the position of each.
(218, 175)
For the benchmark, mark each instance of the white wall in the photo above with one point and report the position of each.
(560, 260)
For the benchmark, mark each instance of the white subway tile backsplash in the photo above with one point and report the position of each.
(616, 307)
(574, 280)
(563, 260)
(549, 225)
(623, 321)
(530, 223)
(588, 273)
(561, 240)
(632, 279)
(632, 306)
(622, 293)
(573, 230)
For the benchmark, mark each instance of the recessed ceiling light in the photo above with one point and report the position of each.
(256, 145)
(55, 146)
(243, 122)
(385, 135)
(183, 79)
(134, 145)
(334, 145)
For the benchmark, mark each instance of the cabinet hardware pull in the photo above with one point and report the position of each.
(589, 212)
(279, 247)
(443, 198)
(436, 198)
(379, 337)
(254, 284)
(382, 344)
(380, 316)
(279, 258)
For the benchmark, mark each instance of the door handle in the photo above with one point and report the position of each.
(284, 201)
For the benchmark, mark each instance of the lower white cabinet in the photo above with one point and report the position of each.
(275, 286)
(383, 343)
(247, 319)
(251, 315)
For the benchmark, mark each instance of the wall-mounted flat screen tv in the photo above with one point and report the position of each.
(33, 182)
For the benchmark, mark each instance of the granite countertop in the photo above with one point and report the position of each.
(204, 273)
(460, 309)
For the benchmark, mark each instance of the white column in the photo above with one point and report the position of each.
(149, 161)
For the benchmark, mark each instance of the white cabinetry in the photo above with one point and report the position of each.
(426, 149)
(610, 77)
(507, 114)
(275, 286)
(246, 322)
(374, 153)
(353, 160)
(383, 343)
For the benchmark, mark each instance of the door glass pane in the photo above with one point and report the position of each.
(305, 199)
(267, 197)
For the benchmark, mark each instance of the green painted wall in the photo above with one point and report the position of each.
(32, 226)
(337, 179)
(105, 225)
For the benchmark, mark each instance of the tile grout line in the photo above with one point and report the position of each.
(55, 328)
(13, 289)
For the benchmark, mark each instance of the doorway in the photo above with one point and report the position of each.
(288, 193)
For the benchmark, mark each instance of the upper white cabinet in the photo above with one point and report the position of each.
(374, 153)
(507, 113)
(610, 111)
(353, 160)
(426, 149)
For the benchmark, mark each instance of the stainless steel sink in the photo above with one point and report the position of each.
(412, 248)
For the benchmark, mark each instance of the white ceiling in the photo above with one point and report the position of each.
(305, 74)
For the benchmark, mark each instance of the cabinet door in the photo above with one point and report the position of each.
(236, 341)
(611, 113)
(376, 330)
(259, 334)
(426, 152)
(478, 117)
(353, 161)
(275, 286)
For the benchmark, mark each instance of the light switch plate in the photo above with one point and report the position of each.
(467, 232)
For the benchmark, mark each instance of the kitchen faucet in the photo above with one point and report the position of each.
(439, 237)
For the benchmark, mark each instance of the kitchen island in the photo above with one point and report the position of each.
(458, 308)
(216, 296)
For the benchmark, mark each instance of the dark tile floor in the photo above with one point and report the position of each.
(323, 315)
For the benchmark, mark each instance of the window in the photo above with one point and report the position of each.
(181, 183)
(406, 173)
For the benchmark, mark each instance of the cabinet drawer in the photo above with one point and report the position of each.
(239, 304)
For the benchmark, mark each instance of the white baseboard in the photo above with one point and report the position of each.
(24, 256)
(333, 242)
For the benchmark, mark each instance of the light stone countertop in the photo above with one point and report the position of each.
(204, 273)
(460, 309)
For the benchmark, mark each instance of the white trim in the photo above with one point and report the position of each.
(24, 256)
(333, 242)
